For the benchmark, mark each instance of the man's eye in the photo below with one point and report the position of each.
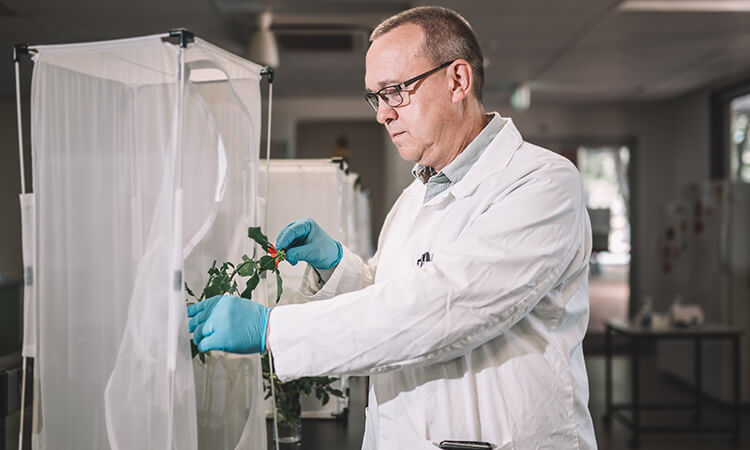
(389, 93)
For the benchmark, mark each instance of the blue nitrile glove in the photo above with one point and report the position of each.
(228, 323)
(304, 240)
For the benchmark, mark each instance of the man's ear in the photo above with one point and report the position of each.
(460, 79)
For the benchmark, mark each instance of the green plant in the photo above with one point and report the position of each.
(223, 280)
(288, 393)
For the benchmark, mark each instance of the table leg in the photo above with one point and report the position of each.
(698, 381)
(737, 390)
(635, 441)
(3, 405)
(607, 375)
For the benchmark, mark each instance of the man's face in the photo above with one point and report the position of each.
(416, 126)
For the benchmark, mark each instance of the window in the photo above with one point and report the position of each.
(739, 155)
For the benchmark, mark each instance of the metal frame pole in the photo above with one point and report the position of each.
(18, 50)
(184, 38)
(17, 64)
(268, 72)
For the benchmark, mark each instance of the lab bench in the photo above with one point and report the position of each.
(635, 337)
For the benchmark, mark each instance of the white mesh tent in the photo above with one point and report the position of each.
(364, 227)
(145, 155)
(324, 190)
(357, 216)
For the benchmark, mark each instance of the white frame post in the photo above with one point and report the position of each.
(268, 72)
(18, 50)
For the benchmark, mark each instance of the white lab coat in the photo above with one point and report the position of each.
(484, 341)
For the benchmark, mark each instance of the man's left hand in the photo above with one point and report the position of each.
(228, 323)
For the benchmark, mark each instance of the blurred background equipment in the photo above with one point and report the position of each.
(712, 271)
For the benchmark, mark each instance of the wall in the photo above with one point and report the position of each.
(689, 134)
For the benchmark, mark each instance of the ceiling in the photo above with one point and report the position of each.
(568, 50)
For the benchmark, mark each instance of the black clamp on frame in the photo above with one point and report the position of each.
(19, 50)
(180, 36)
(342, 163)
(267, 72)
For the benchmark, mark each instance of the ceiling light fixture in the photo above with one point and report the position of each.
(262, 47)
(700, 6)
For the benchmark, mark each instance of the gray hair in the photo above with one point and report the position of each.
(447, 37)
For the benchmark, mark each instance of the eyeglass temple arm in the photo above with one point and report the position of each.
(419, 77)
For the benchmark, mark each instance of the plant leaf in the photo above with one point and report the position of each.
(246, 269)
(248, 292)
(187, 289)
(211, 290)
(217, 285)
(336, 392)
(278, 286)
(255, 234)
(252, 283)
(267, 263)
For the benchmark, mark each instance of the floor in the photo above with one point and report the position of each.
(655, 387)
(347, 434)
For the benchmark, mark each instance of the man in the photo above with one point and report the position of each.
(469, 318)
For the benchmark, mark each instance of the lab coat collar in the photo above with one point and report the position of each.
(494, 158)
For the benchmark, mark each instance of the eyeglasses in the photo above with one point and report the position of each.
(391, 95)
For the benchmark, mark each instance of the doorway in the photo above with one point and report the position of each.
(604, 170)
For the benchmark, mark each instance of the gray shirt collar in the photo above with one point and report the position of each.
(456, 169)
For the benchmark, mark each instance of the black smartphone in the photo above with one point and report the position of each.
(465, 445)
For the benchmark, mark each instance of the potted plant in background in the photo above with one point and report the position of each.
(223, 280)
(288, 395)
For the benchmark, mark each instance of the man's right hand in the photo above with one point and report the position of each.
(305, 240)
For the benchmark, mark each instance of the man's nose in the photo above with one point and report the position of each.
(385, 113)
